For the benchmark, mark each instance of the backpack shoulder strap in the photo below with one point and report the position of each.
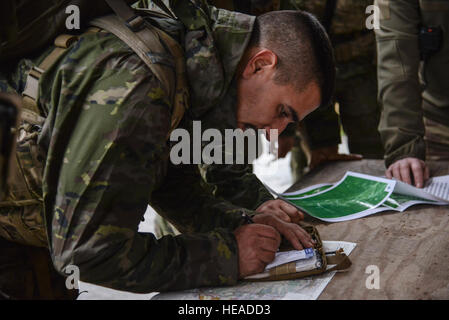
(31, 111)
(151, 44)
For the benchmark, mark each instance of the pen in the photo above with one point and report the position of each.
(247, 218)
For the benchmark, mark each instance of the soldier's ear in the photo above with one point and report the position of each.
(261, 63)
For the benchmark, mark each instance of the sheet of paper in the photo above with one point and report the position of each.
(289, 256)
(399, 202)
(319, 200)
(439, 187)
(304, 264)
(409, 190)
(308, 288)
(307, 191)
(354, 196)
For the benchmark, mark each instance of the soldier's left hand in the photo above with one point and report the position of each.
(297, 236)
(326, 154)
(282, 210)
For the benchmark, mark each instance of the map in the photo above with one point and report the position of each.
(308, 288)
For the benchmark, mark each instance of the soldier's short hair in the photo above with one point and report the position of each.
(303, 49)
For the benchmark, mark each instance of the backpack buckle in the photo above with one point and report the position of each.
(135, 23)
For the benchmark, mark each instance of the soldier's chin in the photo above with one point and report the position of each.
(242, 126)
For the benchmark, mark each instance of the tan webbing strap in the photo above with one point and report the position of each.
(181, 97)
(62, 42)
(340, 260)
(31, 116)
(288, 271)
(287, 268)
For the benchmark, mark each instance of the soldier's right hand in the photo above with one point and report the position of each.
(401, 170)
(257, 244)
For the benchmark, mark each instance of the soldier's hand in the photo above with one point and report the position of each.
(297, 236)
(326, 154)
(281, 209)
(257, 245)
(407, 169)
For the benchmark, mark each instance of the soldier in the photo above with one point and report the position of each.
(105, 154)
(413, 77)
(356, 90)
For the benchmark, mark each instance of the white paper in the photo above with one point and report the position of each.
(289, 256)
(307, 189)
(439, 187)
(436, 192)
(308, 264)
(409, 190)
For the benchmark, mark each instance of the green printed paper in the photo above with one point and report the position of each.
(353, 195)
(308, 193)
(401, 202)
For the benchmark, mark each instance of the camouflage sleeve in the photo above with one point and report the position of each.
(401, 125)
(237, 184)
(190, 206)
(234, 183)
(107, 153)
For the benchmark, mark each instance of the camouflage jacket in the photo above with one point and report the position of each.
(400, 75)
(107, 157)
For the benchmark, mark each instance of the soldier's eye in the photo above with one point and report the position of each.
(284, 113)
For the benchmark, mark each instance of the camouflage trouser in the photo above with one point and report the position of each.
(436, 123)
(359, 116)
(437, 140)
(299, 159)
(27, 273)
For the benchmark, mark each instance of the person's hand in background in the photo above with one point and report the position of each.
(410, 170)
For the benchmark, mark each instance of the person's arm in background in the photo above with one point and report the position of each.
(401, 125)
(323, 137)
(321, 127)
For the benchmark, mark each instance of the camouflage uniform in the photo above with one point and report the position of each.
(414, 96)
(107, 157)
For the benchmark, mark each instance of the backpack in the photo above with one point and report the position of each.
(22, 23)
(21, 211)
